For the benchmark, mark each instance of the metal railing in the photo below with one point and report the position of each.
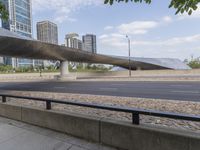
(135, 112)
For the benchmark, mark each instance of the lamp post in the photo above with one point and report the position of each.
(40, 69)
(129, 54)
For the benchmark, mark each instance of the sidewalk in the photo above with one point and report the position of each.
(16, 135)
(162, 75)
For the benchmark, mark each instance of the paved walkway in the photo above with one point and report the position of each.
(16, 135)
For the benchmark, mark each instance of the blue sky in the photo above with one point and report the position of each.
(154, 30)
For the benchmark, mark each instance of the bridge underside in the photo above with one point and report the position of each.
(14, 45)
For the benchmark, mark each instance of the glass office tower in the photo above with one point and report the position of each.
(20, 21)
(89, 43)
(72, 41)
(47, 32)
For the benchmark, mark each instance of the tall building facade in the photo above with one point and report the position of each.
(72, 41)
(47, 32)
(89, 43)
(20, 21)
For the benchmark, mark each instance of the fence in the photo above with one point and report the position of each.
(135, 112)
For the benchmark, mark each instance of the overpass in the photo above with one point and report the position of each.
(14, 45)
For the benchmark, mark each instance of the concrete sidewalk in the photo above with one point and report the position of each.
(16, 135)
(143, 75)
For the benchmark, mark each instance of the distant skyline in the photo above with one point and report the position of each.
(154, 29)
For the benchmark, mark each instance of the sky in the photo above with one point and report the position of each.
(154, 30)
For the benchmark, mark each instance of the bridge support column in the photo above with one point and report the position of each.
(64, 69)
(64, 72)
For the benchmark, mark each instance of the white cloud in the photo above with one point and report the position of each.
(137, 27)
(140, 27)
(167, 19)
(183, 40)
(175, 47)
(62, 8)
(168, 42)
(108, 28)
(113, 40)
(103, 36)
(116, 40)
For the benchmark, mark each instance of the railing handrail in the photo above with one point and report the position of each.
(135, 112)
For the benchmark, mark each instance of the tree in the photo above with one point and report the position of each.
(3, 12)
(195, 63)
(181, 6)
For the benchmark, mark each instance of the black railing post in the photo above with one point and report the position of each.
(48, 105)
(4, 99)
(136, 118)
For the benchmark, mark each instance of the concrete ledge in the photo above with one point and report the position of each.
(118, 134)
(10, 111)
(127, 136)
(73, 124)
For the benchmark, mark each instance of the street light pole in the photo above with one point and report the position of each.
(129, 54)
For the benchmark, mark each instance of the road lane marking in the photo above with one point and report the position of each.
(26, 86)
(179, 85)
(118, 84)
(43, 83)
(190, 92)
(108, 89)
(59, 87)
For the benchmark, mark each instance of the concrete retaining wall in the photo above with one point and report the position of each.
(10, 111)
(73, 124)
(118, 134)
(130, 137)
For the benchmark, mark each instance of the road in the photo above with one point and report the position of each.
(158, 90)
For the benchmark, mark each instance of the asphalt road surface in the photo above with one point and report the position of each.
(159, 90)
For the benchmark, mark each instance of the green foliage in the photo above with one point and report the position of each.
(181, 6)
(5, 69)
(26, 69)
(88, 68)
(50, 69)
(3, 12)
(96, 67)
(194, 64)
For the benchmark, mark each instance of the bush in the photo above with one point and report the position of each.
(24, 69)
(6, 68)
(194, 63)
(88, 68)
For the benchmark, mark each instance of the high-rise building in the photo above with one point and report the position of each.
(20, 21)
(47, 32)
(89, 43)
(72, 41)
